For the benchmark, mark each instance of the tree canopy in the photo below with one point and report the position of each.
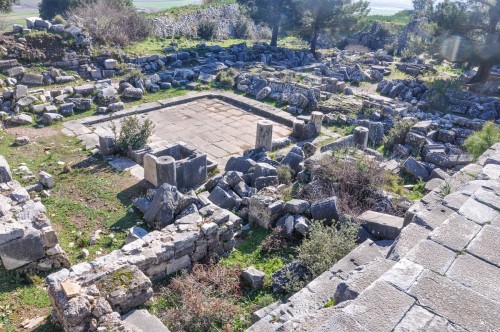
(6, 5)
(473, 28)
(334, 16)
(269, 12)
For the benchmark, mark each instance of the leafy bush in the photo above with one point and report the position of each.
(397, 133)
(207, 29)
(226, 78)
(133, 134)
(326, 245)
(482, 140)
(437, 99)
(243, 28)
(284, 174)
(206, 299)
(112, 21)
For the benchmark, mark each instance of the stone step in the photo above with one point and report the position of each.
(321, 290)
(381, 226)
(143, 321)
(361, 278)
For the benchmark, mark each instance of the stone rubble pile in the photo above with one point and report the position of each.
(27, 240)
(89, 296)
(21, 105)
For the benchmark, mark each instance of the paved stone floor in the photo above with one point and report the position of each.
(214, 127)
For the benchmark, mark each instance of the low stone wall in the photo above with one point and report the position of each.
(27, 240)
(89, 295)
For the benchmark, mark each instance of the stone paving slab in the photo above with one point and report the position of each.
(456, 232)
(219, 124)
(486, 245)
(432, 256)
(464, 270)
(457, 303)
(392, 305)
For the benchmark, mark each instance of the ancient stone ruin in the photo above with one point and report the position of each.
(245, 154)
(27, 240)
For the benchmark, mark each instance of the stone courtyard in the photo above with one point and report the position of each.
(212, 126)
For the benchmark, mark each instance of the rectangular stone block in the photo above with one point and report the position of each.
(457, 303)
(380, 225)
(22, 251)
(10, 231)
(485, 245)
(178, 264)
(432, 256)
(5, 173)
(455, 233)
(476, 275)
(380, 307)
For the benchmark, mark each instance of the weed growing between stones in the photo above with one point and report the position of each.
(325, 245)
(397, 134)
(480, 141)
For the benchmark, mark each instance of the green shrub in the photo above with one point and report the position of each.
(207, 29)
(284, 174)
(59, 19)
(243, 29)
(437, 99)
(397, 134)
(133, 134)
(226, 78)
(326, 245)
(482, 140)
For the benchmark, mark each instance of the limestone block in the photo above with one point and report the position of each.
(5, 173)
(381, 226)
(22, 251)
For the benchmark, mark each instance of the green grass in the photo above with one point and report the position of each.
(482, 140)
(396, 183)
(22, 297)
(155, 45)
(248, 253)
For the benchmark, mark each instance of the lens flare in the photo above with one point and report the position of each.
(455, 48)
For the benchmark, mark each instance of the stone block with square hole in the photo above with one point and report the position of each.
(176, 164)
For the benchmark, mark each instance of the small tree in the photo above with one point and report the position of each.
(6, 5)
(478, 24)
(133, 134)
(422, 7)
(270, 12)
(335, 16)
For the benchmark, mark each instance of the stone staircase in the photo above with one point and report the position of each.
(441, 273)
